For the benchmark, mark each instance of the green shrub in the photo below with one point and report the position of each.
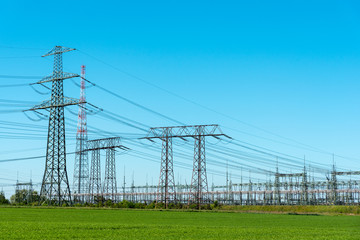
(193, 206)
(151, 205)
(140, 205)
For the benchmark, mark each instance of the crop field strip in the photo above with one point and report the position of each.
(70, 223)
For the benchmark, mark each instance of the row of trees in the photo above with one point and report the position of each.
(3, 200)
(29, 197)
(151, 205)
(26, 197)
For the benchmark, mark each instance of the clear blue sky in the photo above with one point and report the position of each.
(288, 67)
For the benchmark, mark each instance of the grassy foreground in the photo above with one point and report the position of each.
(73, 223)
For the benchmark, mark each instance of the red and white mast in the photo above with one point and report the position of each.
(81, 170)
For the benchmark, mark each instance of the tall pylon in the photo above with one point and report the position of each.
(81, 168)
(55, 185)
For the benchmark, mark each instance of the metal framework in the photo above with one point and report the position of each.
(109, 190)
(55, 185)
(284, 183)
(81, 168)
(166, 188)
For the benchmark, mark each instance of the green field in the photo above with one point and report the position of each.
(71, 223)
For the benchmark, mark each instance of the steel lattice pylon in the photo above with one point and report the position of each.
(55, 185)
(109, 190)
(166, 189)
(81, 168)
(199, 184)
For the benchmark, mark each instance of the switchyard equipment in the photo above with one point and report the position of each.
(288, 191)
(341, 192)
(21, 188)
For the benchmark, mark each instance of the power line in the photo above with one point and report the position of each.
(138, 105)
(27, 158)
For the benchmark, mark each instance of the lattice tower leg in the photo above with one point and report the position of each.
(199, 185)
(166, 188)
(95, 176)
(110, 189)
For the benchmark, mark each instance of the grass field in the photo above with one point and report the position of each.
(71, 223)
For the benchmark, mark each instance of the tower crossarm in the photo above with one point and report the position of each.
(183, 132)
(58, 50)
(105, 143)
(57, 77)
(60, 102)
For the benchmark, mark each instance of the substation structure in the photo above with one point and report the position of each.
(284, 189)
(24, 192)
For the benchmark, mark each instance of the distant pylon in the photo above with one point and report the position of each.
(81, 168)
(55, 185)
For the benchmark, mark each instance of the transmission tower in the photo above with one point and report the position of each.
(110, 186)
(166, 188)
(81, 169)
(55, 185)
